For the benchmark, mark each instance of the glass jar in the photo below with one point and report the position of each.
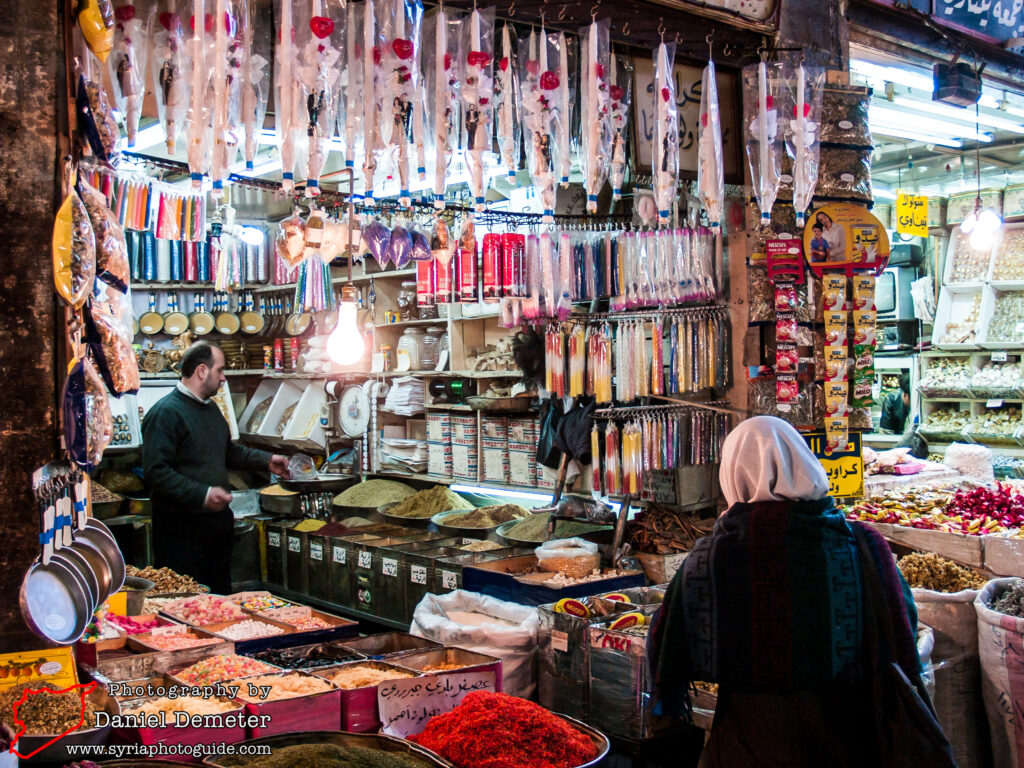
(388, 353)
(431, 348)
(407, 301)
(408, 350)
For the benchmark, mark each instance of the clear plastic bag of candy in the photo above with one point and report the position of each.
(85, 415)
(111, 247)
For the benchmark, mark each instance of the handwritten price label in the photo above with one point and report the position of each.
(286, 614)
(294, 544)
(316, 551)
(339, 555)
(449, 580)
(407, 705)
(389, 567)
(418, 574)
(365, 560)
(273, 539)
(170, 629)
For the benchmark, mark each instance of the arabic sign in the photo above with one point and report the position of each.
(845, 468)
(995, 19)
(912, 214)
(688, 90)
(408, 704)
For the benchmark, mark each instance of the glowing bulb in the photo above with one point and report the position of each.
(982, 239)
(989, 220)
(252, 236)
(968, 224)
(345, 345)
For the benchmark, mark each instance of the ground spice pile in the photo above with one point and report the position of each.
(487, 517)
(534, 529)
(494, 730)
(429, 503)
(325, 756)
(45, 713)
(373, 493)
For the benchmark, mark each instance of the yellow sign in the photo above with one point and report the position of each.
(912, 215)
(845, 468)
(54, 665)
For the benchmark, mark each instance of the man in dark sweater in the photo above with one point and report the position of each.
(186, 453)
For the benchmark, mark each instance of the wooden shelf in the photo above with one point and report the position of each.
(410, 324)
(448, 407)
(171, 375)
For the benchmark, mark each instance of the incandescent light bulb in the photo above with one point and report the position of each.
(345, 345)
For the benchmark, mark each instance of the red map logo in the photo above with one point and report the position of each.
(84, 689)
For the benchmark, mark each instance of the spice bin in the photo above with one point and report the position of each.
(393, 575)
(389, 644)
(343, 562)
(514, 579)
(359, 712)
(448, 570)
(275, 543)
(312, 712)
(376, 564)
(296, 561)
(190, 736)
(454, 659)
(620, 681)
(420, 572)
(307, 657)
(143, 643)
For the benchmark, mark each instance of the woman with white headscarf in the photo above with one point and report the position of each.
(769, 607)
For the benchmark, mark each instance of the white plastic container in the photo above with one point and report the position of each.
(305, 430)
(955, 304)
(287, 395)
(266, 388)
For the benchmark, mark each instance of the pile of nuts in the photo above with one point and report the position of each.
(965, 331)
(45, 713)
(930, 571)
(165, 581)
(946, 377)
(1009, 261)
(1007, 324)
(946, 420)
(999, 423)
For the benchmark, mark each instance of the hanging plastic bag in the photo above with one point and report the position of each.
(376, 238)
(96, 19)
(506, 96)
(803, 129)
(169, 69)
(288, 108)
(128, 64)
(620, 95)
(350, 113)
(420, 246)
(537, 88)
(255, 81)
(224, 57)
(111, 348)
(442, 31)
(95, 118)
(710, 165)
(566, 47)
(199, 46)
(595, 104)
(399, 249)
(111, 247)
(85, 415)
(761, 119)
(666, 134)
(291, 240)
(400, 27)
(476, 53)
(74, 251)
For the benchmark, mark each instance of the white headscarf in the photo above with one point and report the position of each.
(765, 459)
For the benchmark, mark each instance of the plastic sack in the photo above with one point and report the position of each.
(594, 102)
(710, 160)
(128, 64)
(516, 646)
(111, 247)
(399, 247)
(255, 81)
(168, 68)
(666, 136)
(85, 412)
(476, 53)
(574, 558)
(200, 54)
(224, 59)
(420, 246)
(620, 93)
(302, 467)
(74, 251)
(804, 130)
(96, 18)
(538, 84)
(111, 348)
(441, 31)
(402, 122)
(1000, 638)
(761, 119)
(376, 238)
(291, 240)
(506, 99)
(95, 118)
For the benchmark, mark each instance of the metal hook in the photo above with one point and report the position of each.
(711, 46)
(561, 13)
(593, 11)
(661, 28)
(625, 29)
(512, 9)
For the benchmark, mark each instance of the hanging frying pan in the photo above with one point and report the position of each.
(97, 533)
(200, 321)
(297, 321)
(54, 601)
(226, 321)
(252, 321)
(175, 321)
(151, 322)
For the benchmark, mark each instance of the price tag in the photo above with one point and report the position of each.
(294, 544)
(273, 539)
(999, 356)
(449, 580)
(316, 551)
(170, 629)
(365, 560)
(389, 567)
(339, 555)
(406, 706)
(560, 641)
(994, 404)
(286, 614)
(418, 574)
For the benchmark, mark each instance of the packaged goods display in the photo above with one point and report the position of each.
(285, 686)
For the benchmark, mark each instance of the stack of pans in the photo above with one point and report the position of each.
(58, 597)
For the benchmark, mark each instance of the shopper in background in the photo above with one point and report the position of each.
(770, 607)
(186, 453)
(896, 407)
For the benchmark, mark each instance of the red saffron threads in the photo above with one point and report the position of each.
(494, 730)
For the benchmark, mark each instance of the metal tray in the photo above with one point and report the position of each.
(365, 740)
(58, 751)
(322, 484)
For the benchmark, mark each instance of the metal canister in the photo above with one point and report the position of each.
(469, 292)
(492, 266)
(295, 353)
(279, 355)
(508, 264)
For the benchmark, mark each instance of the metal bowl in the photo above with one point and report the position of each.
(323, 484)
(281, 505)
(101, 536)
(453, 530)
(136, 588)
(58, 752)
(504, 528)
(601, 742)
(342, 738)
(55, 601)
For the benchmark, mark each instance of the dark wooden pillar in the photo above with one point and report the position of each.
(31, 77)
(820, 28)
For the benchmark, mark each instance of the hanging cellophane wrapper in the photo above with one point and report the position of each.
(291, 240)
(254, 79)
(657, 359)
(128, 62)
(612, 473)
(665, 157)
(550, 274)
(476, 89)
(710, 165)
(85, 414)
(555, 368)
(171, 77)
(226, 255)
(288, 106)
(631, 458)
(596, 107)
(595, 461)
(803, 90)
(96, 20)
(534, 279)
(538, 88)
(74, 251)
(566, 93)
(400, 27)
(441, 85)
(227, 90)
(374, 94)
(564, 266)
(313, 288)
(96, 121)
(577, 361)
(703, 265)
(112, 265)
(110, 344)
(619, 92)
(319, 43)
(350, 85)
(761, 84)
(200, 58)
(506, 95)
